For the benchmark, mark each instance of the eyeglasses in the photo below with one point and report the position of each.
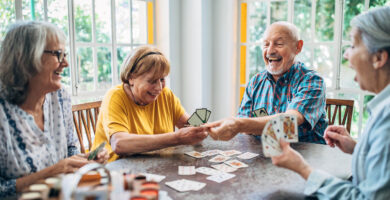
(60, 54)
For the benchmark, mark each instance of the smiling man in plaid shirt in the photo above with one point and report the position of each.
(286, 86)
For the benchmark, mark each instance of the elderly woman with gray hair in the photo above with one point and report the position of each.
(369, 55)
(37, 139)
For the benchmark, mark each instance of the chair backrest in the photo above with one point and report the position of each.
(342, 109)
(85, 117)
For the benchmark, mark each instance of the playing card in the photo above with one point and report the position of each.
(277, 126)
(290, 128)
(211, 152)
(184, 185)
(219, 158)
(236, 164)
(195, 154)
(94, 153)
(153, 177)
(219, 178)
(261, 112)
(230, 152)
(186, 170)
(224, 168)
(202, 113)
(207, 170)
(195, 120)
(247, 155)
(208, 115)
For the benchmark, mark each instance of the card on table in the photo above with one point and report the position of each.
(94, 153)
(224, 168)
(229, 153)
(219, 178)
(195, 154)
(153, 177)
(219, 158)
(247, 155)
(211, 152)
(236, 164)
(186, 170)
(184, 185)
(207, 170)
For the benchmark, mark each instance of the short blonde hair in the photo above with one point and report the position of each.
(144, 59)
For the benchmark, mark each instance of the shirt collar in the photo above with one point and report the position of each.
(376, 104)
(287, 75)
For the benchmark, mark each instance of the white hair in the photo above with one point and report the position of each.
(20, 56)
(374, 27)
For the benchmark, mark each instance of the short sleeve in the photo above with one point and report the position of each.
(309, 99)
(114, 114)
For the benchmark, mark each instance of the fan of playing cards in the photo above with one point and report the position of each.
(199, 117)
(283, 126)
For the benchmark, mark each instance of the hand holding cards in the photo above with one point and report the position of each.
(284, 126)
(94, 153)
(199, 117)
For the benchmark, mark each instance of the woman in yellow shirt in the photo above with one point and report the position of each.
(140, 114)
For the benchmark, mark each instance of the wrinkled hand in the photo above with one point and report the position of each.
(192, 135)
(71, 164)
(224, 129)
(339, 136)
(102, 156)
(292, 160)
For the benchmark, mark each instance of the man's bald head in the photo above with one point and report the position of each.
(287, 27)
(281, 44)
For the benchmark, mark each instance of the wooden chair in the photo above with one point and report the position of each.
(343, 109)
(85, 117)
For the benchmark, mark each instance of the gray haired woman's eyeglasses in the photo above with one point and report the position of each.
(60, 54)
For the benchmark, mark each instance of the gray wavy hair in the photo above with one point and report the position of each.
(374, 26)
(20, 56)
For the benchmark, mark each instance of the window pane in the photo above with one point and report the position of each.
(278, 11)
(7, 16)
(352, 8)
(26, 9)
(325, 10)
(257, 20)
(139, 22)
(305, 56)
(122, 8)
(65, 80)
(103, 21)
(104, 68)
(38, 10)
(85, 69)
(379, 3)
(323, 62)
(256, 62)
(58, 14)
(347, 73)
(302, 18)
(122, 53)
(83, 21)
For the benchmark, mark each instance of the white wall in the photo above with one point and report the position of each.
(199, 38)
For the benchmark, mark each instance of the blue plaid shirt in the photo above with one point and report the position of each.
(298, 89)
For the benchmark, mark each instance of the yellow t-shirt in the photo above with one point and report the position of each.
(118, 113)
